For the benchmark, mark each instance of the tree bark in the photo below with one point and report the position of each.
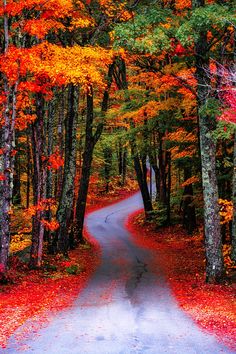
(6, 170)
(233, 237)
(65, 208)
(49, 176)
(233, 228)
(90, 141)
(60, 143)
(141, 173)
(213, 243)
(162, 172)
(189, 215)
(28, 171)
(6, 160)
(16, 193)
(86, 167)
(107, 153)
(39, 177)
(168, 206)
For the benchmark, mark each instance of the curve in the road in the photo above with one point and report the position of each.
(126, 308)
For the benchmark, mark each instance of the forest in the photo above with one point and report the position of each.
(102, 98)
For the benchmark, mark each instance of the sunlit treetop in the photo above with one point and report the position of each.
(116, 9)
(46, 65)
(84, 66)
(38, 17)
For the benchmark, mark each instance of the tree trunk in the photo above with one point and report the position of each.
(39, 177)
(122, 162)
(233, 237)
(154, 164)
(6, 160)
(162, 173)
(60, 143)
(49, 177)
(107, 153)
(233, 228)
(189, 215)
(65, 208)
(90, 142)
(168, 206)
(86, 168)
(16, 193)
(141, 173)
(28, 172)
(213, 243)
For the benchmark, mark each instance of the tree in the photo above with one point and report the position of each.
(152, 35)
(91, 140)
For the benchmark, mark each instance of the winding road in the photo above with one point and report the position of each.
(125, 308)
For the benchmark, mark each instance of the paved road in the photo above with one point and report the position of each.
(125, 307)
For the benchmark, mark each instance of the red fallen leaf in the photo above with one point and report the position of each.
(2, 177)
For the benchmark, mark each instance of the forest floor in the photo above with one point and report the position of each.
(31, 294)
(213, 307)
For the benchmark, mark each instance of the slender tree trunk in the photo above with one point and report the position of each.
(233, 228)
(16, 193)
(189, 215)
(124, 166)
(107, 152)
(141, 173)
(60, 137)
(65, 208)
(162, 173)
(6, 170)
(213, 243)
(28, 172)
(39, 179)
(6, 160)
(122, 162)
(233, 249)
(86, 168)
(49, 176)
(168, 208)
(120, 158)
(154, 164)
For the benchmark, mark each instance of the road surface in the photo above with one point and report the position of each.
(125, 308)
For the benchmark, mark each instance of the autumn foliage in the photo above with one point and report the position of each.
(98, 97)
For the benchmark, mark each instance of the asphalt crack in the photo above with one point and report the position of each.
(139, 269)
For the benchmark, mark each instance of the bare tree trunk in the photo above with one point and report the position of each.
(86, 168)
(107, 153)
(141, 173)
(16, 193)
(233, 242)
(168, 206)
(48, 124)
(213, 242)
(28, 172)
(60, 136)
(189, 214)
(65, 207)
(39, 179)
(233, 247)
(7, 162)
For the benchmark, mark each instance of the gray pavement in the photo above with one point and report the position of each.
(125, 308)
